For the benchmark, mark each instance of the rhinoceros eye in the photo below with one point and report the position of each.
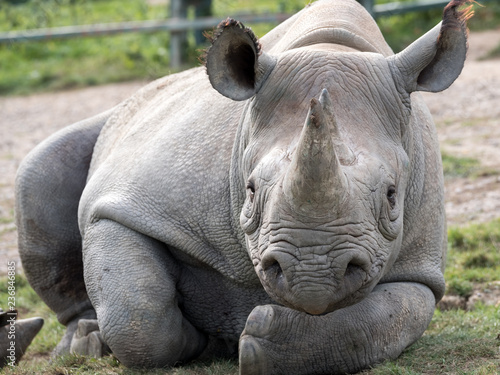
(250, 215)
(251, 190)
(391, 196)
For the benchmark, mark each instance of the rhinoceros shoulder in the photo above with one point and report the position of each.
(132, 112)
(161, 169)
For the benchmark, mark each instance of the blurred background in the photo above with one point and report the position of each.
(53, 64)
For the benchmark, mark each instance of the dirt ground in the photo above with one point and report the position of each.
(467, 117)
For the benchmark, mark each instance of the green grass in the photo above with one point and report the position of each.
(486, 16)
(456, 342)
(401, 30)
(473, 256)
(464, 167)
(485, 19)
(493, 54)
(54, 65)
(29, 305)
(60, 64)
(72, 364)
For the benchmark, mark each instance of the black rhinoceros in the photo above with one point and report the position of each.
(298, 215)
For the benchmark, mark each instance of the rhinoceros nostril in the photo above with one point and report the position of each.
(274, 271)
(272, 268)
(354, 276)
(352, 269)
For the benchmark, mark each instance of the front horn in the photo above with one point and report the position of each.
(315, 180)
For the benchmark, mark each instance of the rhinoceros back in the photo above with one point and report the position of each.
(345, 23)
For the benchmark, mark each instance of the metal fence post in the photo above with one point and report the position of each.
(175, 36)
(178, 24)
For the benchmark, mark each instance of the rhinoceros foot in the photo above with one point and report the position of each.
(279, 340)
(21, 334)
(87, 340)
(253, 358)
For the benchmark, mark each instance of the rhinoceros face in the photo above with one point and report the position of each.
(326, 180)
(323, 157)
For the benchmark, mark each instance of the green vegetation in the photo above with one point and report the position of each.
(454, 166)
(71, 364)
(59, 64)
(28, 304)
(401, 30)
(473, 256)
(494, 53)
(457, 341)
(486, 15)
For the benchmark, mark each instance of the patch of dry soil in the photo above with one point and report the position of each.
(25, 122)
(467, 116)
(488, 294)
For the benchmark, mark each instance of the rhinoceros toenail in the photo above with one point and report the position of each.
(252, 357)
(259, 321)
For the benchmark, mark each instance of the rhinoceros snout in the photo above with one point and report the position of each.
(312, 284)
(272, 269)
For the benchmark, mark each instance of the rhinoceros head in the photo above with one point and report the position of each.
(324, 155)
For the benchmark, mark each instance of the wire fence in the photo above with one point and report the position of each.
(177, 25)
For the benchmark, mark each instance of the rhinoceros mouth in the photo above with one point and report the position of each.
(315, 292)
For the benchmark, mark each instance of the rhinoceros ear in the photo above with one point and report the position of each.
(236, 66)
(435, 60)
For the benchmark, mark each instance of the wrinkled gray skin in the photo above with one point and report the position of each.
(305, 215)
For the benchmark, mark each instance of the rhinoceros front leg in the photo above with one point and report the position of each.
(279, 340)
(87, 340)
(131, 282)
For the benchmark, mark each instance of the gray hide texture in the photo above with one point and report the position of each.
(283, 204)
